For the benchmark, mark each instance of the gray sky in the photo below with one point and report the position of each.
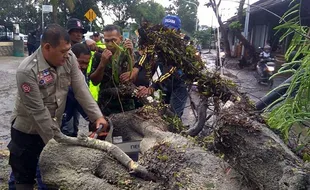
(205, 15)
(227, 9)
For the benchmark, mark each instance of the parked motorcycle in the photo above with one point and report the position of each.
(265, 69)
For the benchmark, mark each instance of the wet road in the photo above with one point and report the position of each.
(244, 78)
(8, 91)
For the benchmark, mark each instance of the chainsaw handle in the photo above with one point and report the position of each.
(101, 128)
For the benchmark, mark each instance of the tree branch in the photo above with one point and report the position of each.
(110, 148)
(218, 5)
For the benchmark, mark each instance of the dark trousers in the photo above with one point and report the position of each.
(25, 150)
(41, 186)
(70, 123)
(178, 99)
(31, 48)
(71, 116)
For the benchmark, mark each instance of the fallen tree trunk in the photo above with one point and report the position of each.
(256, 152)
(175, 161)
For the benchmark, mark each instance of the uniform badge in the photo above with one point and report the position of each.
(46, 72)
(48, 78)
(42, 82)
(26, 87)
(45, 77)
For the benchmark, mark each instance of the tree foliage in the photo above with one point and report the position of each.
(152, 11)
(22, 12)
(63, 5)
(27, 13)
(122, 10)
(204, 37)
(223, 27)
(186, 11)
(295, 107)
(81, 7)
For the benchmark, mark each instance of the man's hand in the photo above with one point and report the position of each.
(105, 56)
(100, 121)
(144, 91)
(125, 77)
(128, 45)
(91, 44)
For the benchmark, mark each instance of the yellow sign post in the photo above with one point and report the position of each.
(90, 15)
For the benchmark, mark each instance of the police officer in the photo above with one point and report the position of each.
(76, 30)
(43, 80)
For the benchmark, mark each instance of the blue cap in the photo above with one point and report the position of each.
(172, 21)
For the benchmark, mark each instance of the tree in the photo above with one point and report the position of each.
(186, 11)
(176, 161)
(23, 13)
(292, 108)
(152, 11)
(236, 28)
(204, 37)
(122, 10)
(57, 4)
(223, 27)
(81, 7)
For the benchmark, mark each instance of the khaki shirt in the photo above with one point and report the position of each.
(42, 95)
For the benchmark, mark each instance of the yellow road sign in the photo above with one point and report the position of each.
(90, 15)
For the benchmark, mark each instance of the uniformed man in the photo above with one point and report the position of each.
(97, 39)
(107, 68)
(166, 78)
(76, 30)
(43, 80)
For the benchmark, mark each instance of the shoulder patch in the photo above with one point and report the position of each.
(26, 87)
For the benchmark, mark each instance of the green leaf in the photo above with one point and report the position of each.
(283, 72)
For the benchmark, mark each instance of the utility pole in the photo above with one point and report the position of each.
(42, 19)
(211, 34)
(219, 42)
(246, 25)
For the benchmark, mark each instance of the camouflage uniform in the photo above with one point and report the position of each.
(108, 103)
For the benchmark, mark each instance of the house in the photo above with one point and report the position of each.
(264, 17)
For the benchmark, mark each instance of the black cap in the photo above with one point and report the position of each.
(74, 23)
(96, 34)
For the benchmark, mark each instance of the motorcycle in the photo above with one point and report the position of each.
(265, 69)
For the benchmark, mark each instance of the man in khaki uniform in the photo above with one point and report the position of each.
(43, 80)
